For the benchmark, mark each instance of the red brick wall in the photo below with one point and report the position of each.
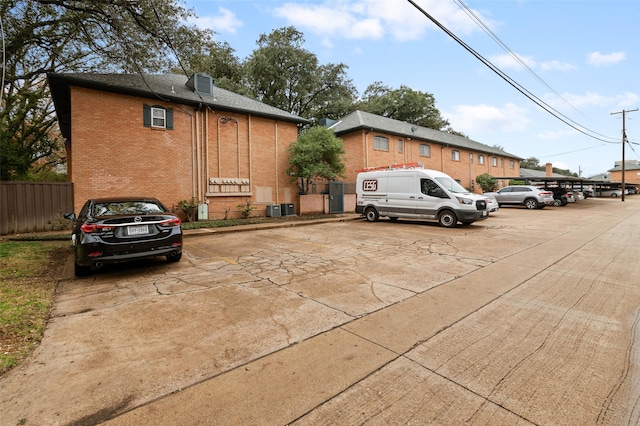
(113, 154)
(360, 150)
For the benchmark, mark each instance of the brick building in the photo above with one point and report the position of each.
(174, 138)
(371, 141)
(631, 172)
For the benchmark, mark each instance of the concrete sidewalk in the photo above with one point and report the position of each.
(359, 370)
(530, 317)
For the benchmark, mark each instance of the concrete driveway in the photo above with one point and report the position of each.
(529, 317)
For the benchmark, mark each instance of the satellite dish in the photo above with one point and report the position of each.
(414, 129)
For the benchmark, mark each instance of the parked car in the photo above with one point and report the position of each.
(560, 196)
(613, 193)
(109, 230)
(529, 196)
(492, 202)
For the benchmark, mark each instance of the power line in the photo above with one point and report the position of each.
(512, 82)
(478, 20)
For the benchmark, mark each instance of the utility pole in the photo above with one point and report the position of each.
(624, 140)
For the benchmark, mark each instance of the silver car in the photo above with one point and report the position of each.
(526, 195)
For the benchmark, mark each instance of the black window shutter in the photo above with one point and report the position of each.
(146, 115)
(169, 113)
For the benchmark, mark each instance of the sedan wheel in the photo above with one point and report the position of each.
(531, 204)
(81, 271)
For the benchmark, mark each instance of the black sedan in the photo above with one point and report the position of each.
(110, 230)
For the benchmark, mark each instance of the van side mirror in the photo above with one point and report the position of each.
(70, 216)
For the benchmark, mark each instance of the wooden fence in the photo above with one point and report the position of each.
(34, 206)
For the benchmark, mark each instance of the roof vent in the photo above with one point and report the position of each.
(327, 122)
(201, 83)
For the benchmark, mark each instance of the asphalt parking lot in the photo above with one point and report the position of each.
(529, 317)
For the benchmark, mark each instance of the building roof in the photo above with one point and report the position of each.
(530, 173)
(161, 87)
(359, 120)
(628, 165)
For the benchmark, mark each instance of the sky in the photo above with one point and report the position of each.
(579, 59)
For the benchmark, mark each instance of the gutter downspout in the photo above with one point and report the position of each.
(276, 159)
(205, 135)
(250, 152)
(366, 148)
(442, 157)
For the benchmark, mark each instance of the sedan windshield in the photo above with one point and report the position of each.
(126, 208)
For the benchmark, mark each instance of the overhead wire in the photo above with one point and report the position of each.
(513, 83)
(478, 20)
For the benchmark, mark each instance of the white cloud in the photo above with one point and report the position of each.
(474, 119)
(556, 66)
(552, 135)
(374, 19)
(597, 58)
(628, 99)
(515, 61)
(592, 99)
(225, 22)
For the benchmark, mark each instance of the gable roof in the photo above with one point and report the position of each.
(360, 120)
(531, 173)
(162, 87)
(628, 165)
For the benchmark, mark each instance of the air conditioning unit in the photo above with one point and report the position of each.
(287, 209)
(273, 210)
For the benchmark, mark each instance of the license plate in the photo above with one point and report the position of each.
(137, 230)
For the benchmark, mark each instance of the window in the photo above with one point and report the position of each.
(470, 158)
(157, 117)
(381, 143)
(455, 155)
(494, 161)
(399, 145)
(512, 164)
(425, 150)
(429, 187)
(480, 159)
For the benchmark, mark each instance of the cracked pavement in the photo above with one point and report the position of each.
(529, 317)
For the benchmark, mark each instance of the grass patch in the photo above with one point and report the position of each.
(27, 289)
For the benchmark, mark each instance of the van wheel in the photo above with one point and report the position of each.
(531, 203)
(447, 219)
(371, 214)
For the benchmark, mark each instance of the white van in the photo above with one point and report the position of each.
(418, 194)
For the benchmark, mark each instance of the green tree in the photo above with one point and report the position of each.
(403, 104)
(219, 61)
(43, 36)
(487, 182)
(281, 73)
(318, 154)
(531, 163)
